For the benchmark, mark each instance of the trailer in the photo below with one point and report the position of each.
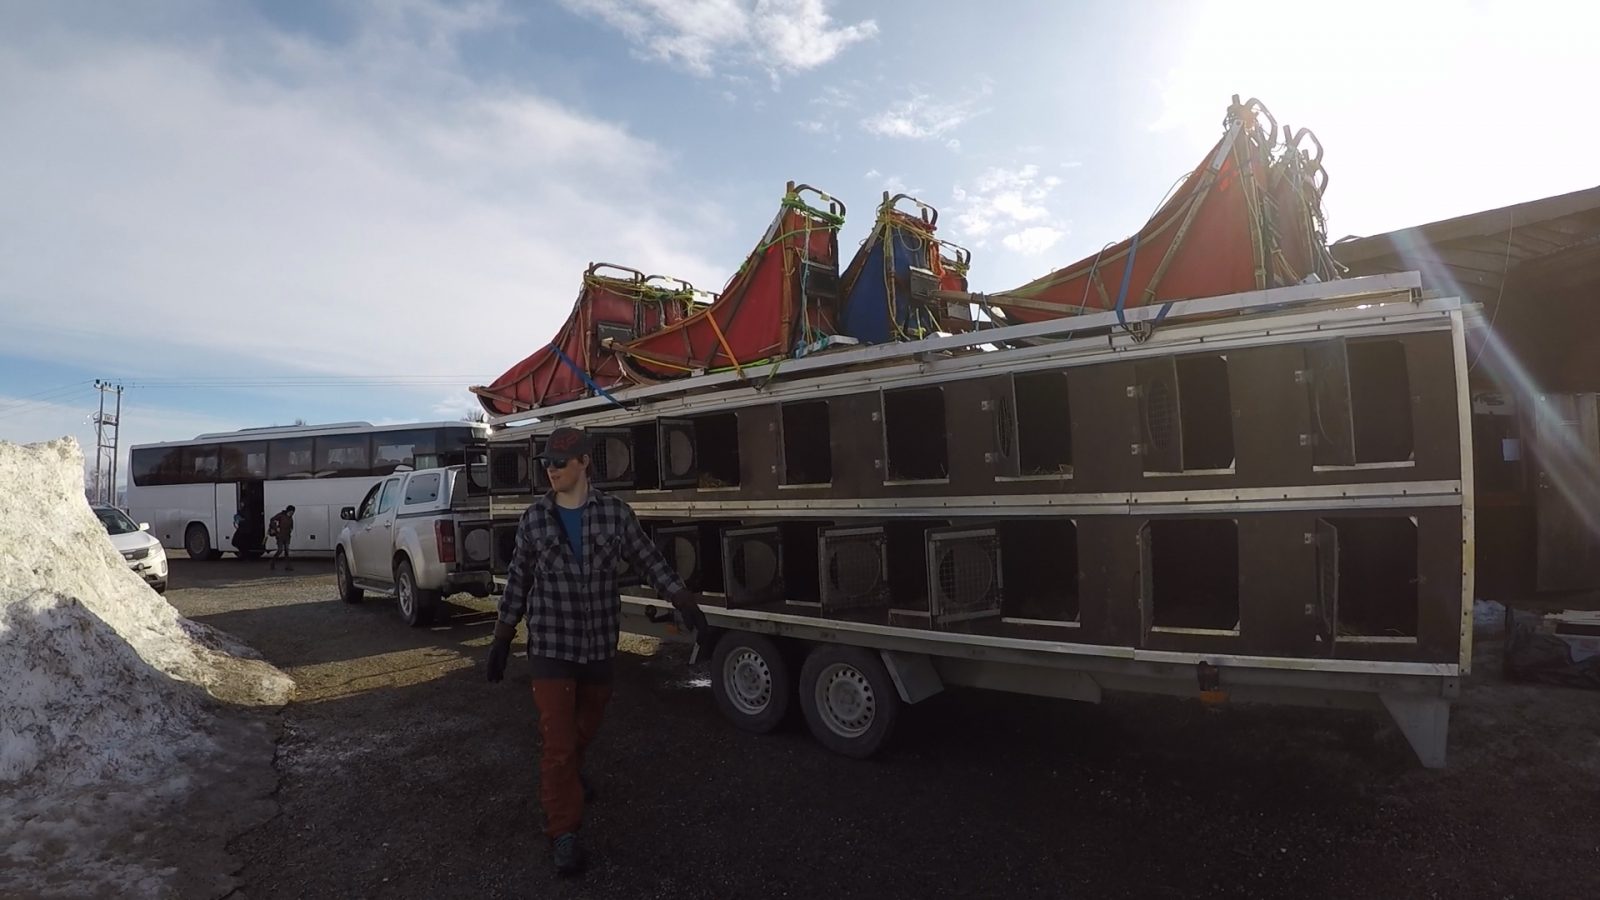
(1258, 497)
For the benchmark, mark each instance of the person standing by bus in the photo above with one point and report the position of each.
(563, 581)
(281, 528)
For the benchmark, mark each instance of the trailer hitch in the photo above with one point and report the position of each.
(702, 640)
(1210, 680)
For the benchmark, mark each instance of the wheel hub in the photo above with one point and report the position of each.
(749, 680)
(846, 701)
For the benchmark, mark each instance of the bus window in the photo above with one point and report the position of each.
(342, 456)
(156, 465)
(453, 444)
(392, 449)
(244, 461)
(289, 458)
(199, 465)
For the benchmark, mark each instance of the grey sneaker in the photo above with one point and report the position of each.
(568, 854)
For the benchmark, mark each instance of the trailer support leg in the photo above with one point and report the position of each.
(1425, 722)
(914, 676)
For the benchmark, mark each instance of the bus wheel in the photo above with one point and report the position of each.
(417, 606)
(849, 700)
(751, 681)
(197, 542)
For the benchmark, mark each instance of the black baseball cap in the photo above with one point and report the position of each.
(565, 443)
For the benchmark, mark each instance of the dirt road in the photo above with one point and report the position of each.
(403, 774)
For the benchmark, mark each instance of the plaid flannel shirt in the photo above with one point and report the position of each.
(574, 612)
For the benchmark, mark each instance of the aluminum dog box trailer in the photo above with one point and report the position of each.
(1256, 497)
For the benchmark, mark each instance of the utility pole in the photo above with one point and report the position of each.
(106, 444)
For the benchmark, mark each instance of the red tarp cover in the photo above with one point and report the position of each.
(784, 295)
(615, 300)
(1249, 217)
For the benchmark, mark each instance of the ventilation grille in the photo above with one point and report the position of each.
(475, 545)
(510, 468)
(855, 572)
(679, 459)
(964, 574)
(681, 546)
(476, 456)
(504, 546)
(1005, 423)
(612, 458)
(753, 565)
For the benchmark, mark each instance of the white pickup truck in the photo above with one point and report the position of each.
(401, 540)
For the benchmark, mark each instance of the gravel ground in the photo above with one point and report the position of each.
(402, 773)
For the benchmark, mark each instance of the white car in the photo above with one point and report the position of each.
(143, 552)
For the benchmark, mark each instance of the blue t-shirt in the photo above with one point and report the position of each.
(572, 522)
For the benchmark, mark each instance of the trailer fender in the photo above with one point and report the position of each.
(914, 676)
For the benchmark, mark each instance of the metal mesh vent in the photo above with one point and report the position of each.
(854, 569)
(612, 458)
(510, 469)
(504, 547)
(683, 553)
(753, 564)
(964, 573)
(476, 545)
(1005, 422)
(1160, 414)
(678, 452)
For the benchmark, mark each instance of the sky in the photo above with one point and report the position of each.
(249, 213)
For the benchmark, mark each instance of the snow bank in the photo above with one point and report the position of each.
(100, 678)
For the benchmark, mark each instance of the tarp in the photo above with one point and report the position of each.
(878, 305)
(614, 302)
(1248, 217)
(783, 297)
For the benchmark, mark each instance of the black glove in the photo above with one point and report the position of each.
(688, 606)
(500, 651)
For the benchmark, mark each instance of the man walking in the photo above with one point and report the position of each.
(563, 580)
(281, 528)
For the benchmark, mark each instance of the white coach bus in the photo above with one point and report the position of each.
(190, 491)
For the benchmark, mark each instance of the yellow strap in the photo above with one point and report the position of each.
(724, 341)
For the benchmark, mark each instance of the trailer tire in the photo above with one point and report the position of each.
(850, 703)
(751, 680)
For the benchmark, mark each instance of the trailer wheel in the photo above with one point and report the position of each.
(751, 681)
(849, 700)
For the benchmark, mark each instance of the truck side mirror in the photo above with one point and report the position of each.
(349, 512)
(144, 526)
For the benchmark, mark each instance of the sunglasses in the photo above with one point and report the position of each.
(553, 465)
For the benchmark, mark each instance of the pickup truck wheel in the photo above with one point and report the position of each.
(417, 606)
(348, 592)
(849, 701)
(751, 681)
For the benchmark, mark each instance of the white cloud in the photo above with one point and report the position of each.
(1033, 240)
(702, 36)
(1011, 205)
(267, 203)
(922, 116)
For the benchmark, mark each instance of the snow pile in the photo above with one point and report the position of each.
(100, 678)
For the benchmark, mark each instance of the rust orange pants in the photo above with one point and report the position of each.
(570, 712)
